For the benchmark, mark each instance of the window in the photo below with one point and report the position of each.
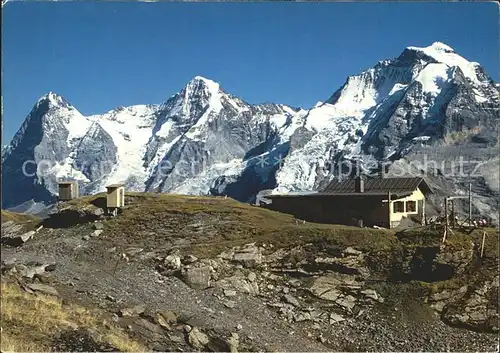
(399, 207)
(411, 206)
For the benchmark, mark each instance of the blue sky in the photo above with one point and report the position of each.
(100, 55)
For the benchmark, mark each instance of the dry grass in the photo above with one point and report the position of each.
(29, 323)
(18, 217)
(29, 222)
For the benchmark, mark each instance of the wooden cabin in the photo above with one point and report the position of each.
(382, 202)
(68, 190)
(115, 196)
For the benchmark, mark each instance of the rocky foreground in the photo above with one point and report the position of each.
(211, 274)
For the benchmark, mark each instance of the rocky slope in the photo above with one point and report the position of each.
(423, 110)
(201, 273)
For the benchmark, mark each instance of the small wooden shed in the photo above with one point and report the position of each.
(68, 190)
(115, 197)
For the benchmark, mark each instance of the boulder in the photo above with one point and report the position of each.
(97, 232)
(197, 339)
(30, 272)
(290, 299)
(252, 277)
(189, 259)
(249, 255)
(43, 288)
(99, 212)
(133, 311)
(197, 277)
(239, 284)
(335, 318)
(371, 294)
(98, 226)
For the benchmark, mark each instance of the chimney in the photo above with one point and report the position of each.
(359, 184)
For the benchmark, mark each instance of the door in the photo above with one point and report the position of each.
(122, 197)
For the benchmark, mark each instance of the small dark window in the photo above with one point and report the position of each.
(411, 206)
(399, 207)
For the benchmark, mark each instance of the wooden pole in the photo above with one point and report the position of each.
(445, 219)
(452, 213)
(470, 204)
(482, 245)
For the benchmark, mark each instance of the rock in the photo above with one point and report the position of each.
(86, 237)
(43, 288)
(98, 226)
(134, 311)
(229, 292)
(45, 277)
(189, 259)
(233, 343)
(239, 284)
(110, 298)
(230, 304)
(168, 316)
(175, 338)
(192, 321)
(98, 212)
(197, 339)
(9, 262)
(149, 326)
(97, 232)
(334, 318)
(7, 224)
(347, 302)
(331, 287)
(290, 299)
(197, 277)
(302, 316)
(252, 277)
(162, 318)
(218, 344)
(351, 251)
(34, 263)
(187, 328)
(370, 293)
(476, 310)
(51, 267)
(30, 272)
(16, 239)
(248, 256)
(173, 261)
(239, 327)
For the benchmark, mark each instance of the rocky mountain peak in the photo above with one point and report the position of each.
(53, 100)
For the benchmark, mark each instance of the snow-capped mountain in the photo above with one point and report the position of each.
(179, 146)
(203, 140)
(425, 94)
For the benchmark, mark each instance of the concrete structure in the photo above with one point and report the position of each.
(68, 190)
(382, 202)
(115, 197)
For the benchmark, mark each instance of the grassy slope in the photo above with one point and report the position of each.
(214, 223)
(30, 322)
(18, 217)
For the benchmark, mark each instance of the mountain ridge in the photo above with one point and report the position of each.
(203, 140)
